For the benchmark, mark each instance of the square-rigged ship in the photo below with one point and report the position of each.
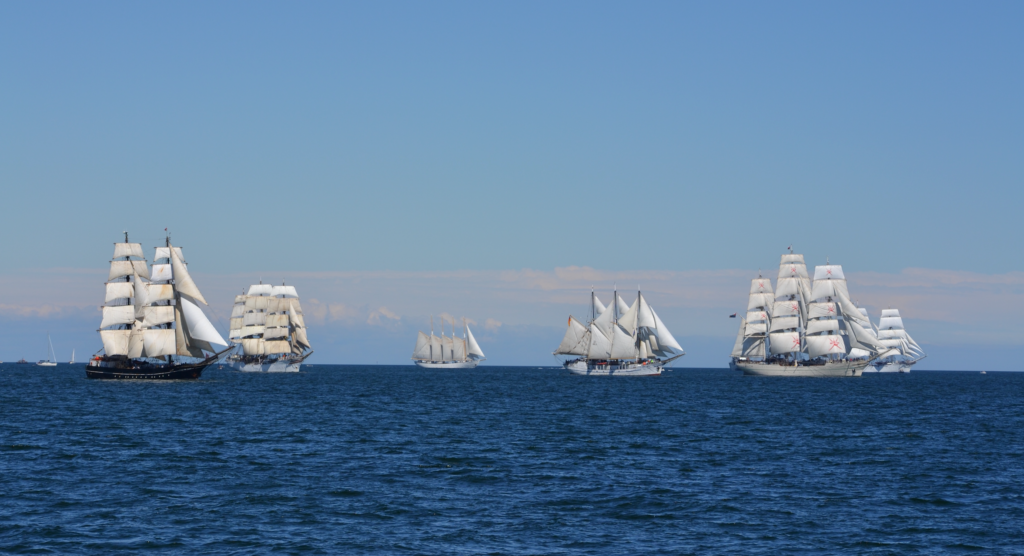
(804, 328)
(153, 327)
(619, 340)
(268, 326)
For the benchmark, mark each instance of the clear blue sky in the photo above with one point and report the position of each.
(482, 135)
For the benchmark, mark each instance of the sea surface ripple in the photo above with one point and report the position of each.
(388, 460)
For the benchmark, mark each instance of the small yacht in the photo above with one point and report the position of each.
(51, 360)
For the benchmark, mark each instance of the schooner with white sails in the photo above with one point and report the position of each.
(268, 327)
(444, 352)
(153, 326)
(804, 328)
(618, 340)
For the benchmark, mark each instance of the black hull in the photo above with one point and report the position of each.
(172, 372)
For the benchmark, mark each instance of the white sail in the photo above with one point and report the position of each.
(600, 345)
(628, 319)
(115, 342)
(261, 289)
(784, 342)
(182, 341)
(141, 297)
(575, 341)
(737, 348)
(113, 316)
(821, 325)
(119, 290)
(276, 320)
(786, 309)
(296, 319)
(275, 333)
(284, 291)
(435, 348)
(597, 307)
(254, 330)
(645, 314)
(787, 287)
(459, 349)
(199, 327)
(473, 349)
(825, 345)
(757, 316)
(756, 328)
(894, 323)
(644, 352)
(665, 339)
(155, 316)
(252, 346)
(136, 344)
(890, 313)
(753, 347)
(447, 349)
(276, 346)
(165, 253)
(122, 250)
(889, 334)
(183, 282)
(238, 311)
(159, 342)
(821, 310)
(760, 285)
(236, 323)
(159, 292)
(829, 272)
(260, 318)
(863, 339)
(785, 323)
(620, 304)
(300, 338)
(758, 300)
(623, 344)
(257, 303)
(604, 322)
(162, 273)
(127, 268)
(850, 311)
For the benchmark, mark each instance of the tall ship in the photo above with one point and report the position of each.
(804, 327)
(444, 352)
(618, 340)
(892, 334)
(268, 329)
(153, 327)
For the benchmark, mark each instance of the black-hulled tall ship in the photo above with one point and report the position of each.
(152, 325)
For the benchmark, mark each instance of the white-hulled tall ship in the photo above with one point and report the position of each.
(269, 330)
(892, 334)
(804, 328)
(152, 325)
(618, 340)
(442, 352)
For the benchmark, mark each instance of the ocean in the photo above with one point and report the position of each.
(510, 460)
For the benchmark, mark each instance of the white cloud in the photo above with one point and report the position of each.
(492, 325)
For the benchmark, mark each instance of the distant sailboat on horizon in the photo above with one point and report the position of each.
(442, 352)
(51, 359)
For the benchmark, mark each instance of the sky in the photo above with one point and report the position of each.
(465, 158)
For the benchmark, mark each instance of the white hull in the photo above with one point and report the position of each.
(830, 369)
(887, 367)
(272, 367)
(446, 364)
(583, 367)
(46, 364)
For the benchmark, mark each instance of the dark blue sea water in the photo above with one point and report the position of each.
(395, 460)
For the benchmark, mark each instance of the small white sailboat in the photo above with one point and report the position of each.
(72, 362)
(51, 359)
(442, 352)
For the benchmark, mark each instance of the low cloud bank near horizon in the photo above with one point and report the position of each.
(366, 317)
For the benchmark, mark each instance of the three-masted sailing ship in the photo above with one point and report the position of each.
(269, 330)
(804, 328)
(444, 352)
(153, 327)
(618, 340)
(891, 333)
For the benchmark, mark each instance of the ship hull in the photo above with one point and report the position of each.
(887, 367)
(584, 368)
(446, 365)
(830, 369)
(188, 371)
(267, 367)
